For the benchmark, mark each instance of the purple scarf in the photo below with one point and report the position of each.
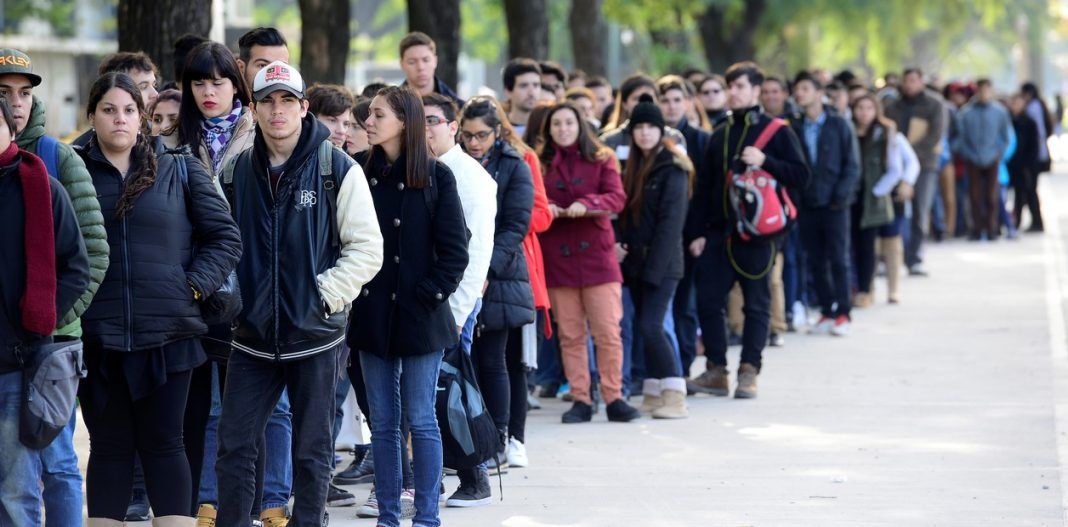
(217, 133)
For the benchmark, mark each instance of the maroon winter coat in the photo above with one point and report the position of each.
(580, 252)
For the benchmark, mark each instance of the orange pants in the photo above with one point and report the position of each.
(601, 307)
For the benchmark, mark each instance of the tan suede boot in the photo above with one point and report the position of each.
(747, 382)
(206, 515)
(275, 517)
(674, 405)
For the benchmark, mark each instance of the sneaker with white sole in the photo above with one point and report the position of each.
(841, 326)
(369, 509)
(517, 453)
(339, 497)
(474, 490)
(823, 327)
(407, 504)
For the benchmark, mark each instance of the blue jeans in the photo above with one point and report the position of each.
(403, 389)
(467, 335)
(278, 478)
(550, 369)
(792, 270)
(62, 479)
(684, 314)
(20, 471)
(209, 484)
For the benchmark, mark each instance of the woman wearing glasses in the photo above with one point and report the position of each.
(713, 96)
(523, 211)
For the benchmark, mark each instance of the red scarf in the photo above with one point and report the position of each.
(39, 299)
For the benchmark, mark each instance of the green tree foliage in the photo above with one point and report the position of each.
(57, 13)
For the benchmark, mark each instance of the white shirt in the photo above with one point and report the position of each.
(478, 195)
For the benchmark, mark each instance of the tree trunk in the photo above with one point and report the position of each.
(324, 52)
(588, 32)
(440, 19)
(726, 43)
(528, 28)
(153, 27)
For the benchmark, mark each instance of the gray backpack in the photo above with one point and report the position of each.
(49, 390)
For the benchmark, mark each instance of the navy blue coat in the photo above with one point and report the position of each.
(404, 310)
(178, 234)
(836, 173)
(509, 301)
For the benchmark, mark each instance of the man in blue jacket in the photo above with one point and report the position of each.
(311, 242)
(832, 153)
(982, 136)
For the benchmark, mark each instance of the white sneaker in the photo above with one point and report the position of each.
(517, 454)
(841, 327)
(823, 327)
(800, 315)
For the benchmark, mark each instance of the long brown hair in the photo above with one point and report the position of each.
(408, 107)
(880, 118)
(638, 169)
(629, 86)
(143, 154)
(532, 135)
(492, 113)
(589, 147)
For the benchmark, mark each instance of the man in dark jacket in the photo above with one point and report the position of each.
(311, 242)
(676, 101)
(62, 479)
(1025, 164)
(833, 157)
(724, 259)
(419, 60)
(38, 285)
(921, 116)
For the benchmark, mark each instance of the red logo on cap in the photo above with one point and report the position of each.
(277, 73)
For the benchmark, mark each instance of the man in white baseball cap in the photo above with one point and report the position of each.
(311, 241)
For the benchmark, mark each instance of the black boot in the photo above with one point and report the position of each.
(580, 412)
(621, 412)
(362, 470)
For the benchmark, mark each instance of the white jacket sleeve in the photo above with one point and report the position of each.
(911, 169)
(361, 244)
(478, 194)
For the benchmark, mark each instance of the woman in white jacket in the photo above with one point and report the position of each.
(889, 168)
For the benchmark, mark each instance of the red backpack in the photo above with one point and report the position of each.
(761, 204)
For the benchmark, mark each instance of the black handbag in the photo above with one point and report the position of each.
(224, 305)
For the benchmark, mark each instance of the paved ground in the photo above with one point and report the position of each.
(949, 409)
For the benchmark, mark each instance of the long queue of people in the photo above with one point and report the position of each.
(576, 241)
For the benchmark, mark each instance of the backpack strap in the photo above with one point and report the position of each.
(768, 132)
(48, 151)
(330, 187)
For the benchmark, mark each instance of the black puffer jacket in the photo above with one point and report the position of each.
(654, 242)
(508, 301)
(145, 300)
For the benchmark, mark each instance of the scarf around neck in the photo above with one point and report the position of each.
(218, 131)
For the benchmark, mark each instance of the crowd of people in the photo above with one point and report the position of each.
(574, 239)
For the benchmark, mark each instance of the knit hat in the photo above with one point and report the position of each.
(646, 111)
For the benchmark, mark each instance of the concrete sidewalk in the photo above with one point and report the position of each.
(940, 411)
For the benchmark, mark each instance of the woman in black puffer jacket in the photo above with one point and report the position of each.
(174, 242)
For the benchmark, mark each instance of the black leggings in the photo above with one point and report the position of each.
(517, 380)
(488, 355)
(197, 411)
(651, 303)
(151, 427)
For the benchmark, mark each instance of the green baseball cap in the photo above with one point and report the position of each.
(13, 61)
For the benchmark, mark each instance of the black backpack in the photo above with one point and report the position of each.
(468, 435)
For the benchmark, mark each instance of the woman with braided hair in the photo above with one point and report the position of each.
(174, 243)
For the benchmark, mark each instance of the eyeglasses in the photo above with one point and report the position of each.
(481, 136)
(433, 120)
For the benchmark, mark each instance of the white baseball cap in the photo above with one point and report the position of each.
(277, 76)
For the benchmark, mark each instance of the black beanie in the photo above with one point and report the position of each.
(646, 111)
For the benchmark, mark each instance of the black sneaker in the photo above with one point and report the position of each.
(580, 412)
(361, 470)
(339, 497)
(548, 391)
(621, 412)
(137, 511)
(775, 340)
(474, 490)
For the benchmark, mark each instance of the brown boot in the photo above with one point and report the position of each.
(747, 382)
(893, 251)
(714, 381)
(206, 515)
(275, 517)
